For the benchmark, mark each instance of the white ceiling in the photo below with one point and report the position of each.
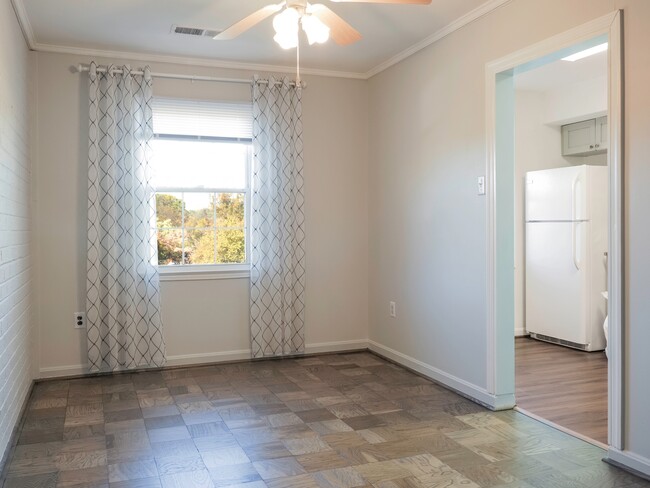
(143, 27)
(560, 73)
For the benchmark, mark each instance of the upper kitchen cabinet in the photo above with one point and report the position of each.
(602, 134)
(585, 138)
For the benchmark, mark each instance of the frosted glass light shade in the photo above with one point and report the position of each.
(286, 41)
(316, 30)
(286, 28)
(287, 23)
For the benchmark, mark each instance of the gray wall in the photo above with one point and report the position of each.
(206, 320)
(406, 148)
(427, 224)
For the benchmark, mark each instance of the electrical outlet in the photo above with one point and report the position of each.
(80, 320)
(393, 309)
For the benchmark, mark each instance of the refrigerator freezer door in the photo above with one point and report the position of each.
(556, 269)
(556, 194)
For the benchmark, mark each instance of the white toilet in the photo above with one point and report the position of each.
(605, 326)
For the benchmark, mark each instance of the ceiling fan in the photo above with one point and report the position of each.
(318, 22)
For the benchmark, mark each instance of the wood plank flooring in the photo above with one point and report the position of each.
(566, 386)
(341, 420)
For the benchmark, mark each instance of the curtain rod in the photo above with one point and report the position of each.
(81, 68)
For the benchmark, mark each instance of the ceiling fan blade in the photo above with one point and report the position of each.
(399, 2)
(342, 32)
(248, 22)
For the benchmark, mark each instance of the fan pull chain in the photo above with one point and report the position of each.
(298, 63)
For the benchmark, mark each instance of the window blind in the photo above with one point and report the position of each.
(202, 118)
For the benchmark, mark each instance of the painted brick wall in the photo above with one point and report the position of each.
(17, 331)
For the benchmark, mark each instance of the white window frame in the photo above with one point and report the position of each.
(198, 272)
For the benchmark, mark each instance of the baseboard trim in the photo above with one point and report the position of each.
(62, 371)
(245, 354)
(13, 439)
(338, 346)
(208, 357)
(460, 386)
(633, 463)
(503, 402)
(520, 332)
(211, 358)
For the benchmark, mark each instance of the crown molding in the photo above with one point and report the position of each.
(468, 18)
(184, 60)
(28, 32)
(23, 21)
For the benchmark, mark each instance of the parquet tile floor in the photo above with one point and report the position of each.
(332, 421)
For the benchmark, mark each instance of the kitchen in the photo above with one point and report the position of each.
(561, 238)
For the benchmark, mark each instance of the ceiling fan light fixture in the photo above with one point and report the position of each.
(286, 28)
(287, 25)
(286, 41)
(316, 30)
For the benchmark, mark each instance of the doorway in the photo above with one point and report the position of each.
(504, 302)
(561, 187)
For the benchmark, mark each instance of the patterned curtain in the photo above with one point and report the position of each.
(277, 221)
(123, 302)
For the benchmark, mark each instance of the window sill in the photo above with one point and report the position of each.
(200, 273)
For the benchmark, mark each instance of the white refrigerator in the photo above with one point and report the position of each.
(566, 255)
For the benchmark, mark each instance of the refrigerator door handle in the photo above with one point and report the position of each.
(573, 244)
(574, 204)
(574, 216)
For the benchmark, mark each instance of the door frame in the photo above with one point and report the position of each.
(500, 378)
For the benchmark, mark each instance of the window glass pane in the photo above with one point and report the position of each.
(199, 209)
(230, 246)
(169, 210)
(170, 246)
(197, 224)
(169, 221)
(230, 209)
(200, 246)
(199, 164)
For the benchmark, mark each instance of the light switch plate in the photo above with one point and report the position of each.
(481, 185)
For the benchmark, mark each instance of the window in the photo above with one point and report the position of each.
(201, 160)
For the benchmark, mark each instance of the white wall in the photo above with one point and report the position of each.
(207, 320)
(577, 101)
(17, 330)
(537, 146)
(427, 224)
